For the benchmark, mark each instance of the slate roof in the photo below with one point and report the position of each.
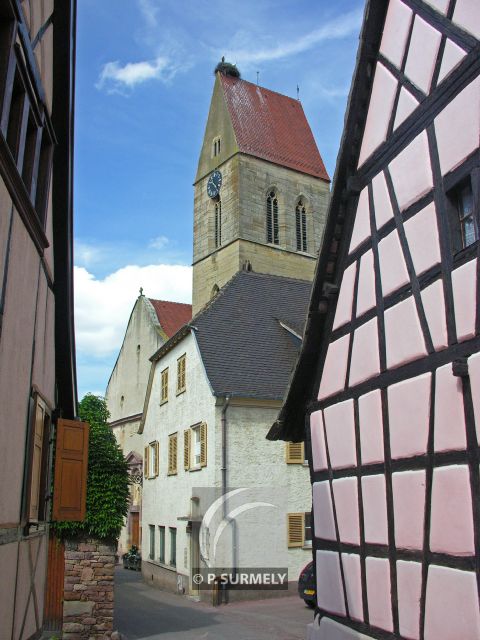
(245, 350)
(272, 126)
(171, 315)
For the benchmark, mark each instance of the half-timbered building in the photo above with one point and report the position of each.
(387, 385)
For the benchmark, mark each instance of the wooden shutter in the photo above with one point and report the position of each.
(203, 444)
(157, 459)
(295, 527)
(71, 464)
(186, 449)
(172, 454)
(164, 391)
(145, 462)
(37, 457)
(294, 452)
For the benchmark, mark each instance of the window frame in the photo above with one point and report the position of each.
(181, 375)
(453, 194)
(151, 542)
(173, 546)
(151, 460)
(161, 543)
(301, 225)
(272, 225)
(164, 386)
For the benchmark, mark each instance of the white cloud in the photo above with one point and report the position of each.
(103, 306)
(338, 28)
(160, 242)
(149, 12)
(116, 78)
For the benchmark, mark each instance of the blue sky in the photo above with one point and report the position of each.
(144, 83)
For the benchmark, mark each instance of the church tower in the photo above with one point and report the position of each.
(261, 189)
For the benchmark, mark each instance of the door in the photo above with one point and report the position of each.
(135, 528)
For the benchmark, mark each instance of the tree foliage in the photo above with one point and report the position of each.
(107, 481)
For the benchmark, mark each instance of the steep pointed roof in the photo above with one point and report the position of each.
(171, 315)
(272, 126)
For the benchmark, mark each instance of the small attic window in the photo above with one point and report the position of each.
(216, 146)
(138, 348)
(122, 400)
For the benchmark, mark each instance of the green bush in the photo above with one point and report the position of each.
(107, 482)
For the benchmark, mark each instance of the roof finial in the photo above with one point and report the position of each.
(141, 291)
(298, 92)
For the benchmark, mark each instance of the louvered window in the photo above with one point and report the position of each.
(181, 370)
(195, 447)
(218, 223)
(151, 460)
(272, 218)
(172, 454)
(301, 226)
(294, 452)
(164, 386)
(186, 449)
(295, 529)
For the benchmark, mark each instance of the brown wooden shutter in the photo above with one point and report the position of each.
(172, 454)
(186, 449)
(295, 527)
(38, 441)
(157, 459)
(203, 444)
(294, 452)
(145, 462)
(71, 464)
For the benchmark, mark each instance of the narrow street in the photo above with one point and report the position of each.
(143, 612)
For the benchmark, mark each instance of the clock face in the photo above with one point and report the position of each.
(214, 183)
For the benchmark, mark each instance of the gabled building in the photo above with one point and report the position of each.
(37, 347)
(216, 386)
(388, 379)
(152, 322)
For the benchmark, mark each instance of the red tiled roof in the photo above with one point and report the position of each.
(271, 126)
(171, 315)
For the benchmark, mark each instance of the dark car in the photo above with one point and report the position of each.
(307, 589)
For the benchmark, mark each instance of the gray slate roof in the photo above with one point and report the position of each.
(245, 350)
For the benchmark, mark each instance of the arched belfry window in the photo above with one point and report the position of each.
(218, 223)
(301, 225)
(272, 217)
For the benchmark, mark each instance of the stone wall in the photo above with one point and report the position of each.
(88, 590)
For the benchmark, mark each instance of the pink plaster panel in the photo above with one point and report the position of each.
(379, 111)
(371, 427)
(365, 359)
(422, 236)
(409, 586)
(353, 584)
(319, 453)
(393, 269)
(343, 313)
(366, 284)
(335, 368)
(464, 284)
(361, 227)
(458, 127)
(411, 172)
(329, 583)
(474, 371)
(375, 509)
(340, 429)
(450, 430)
(451, 527)
(406, 105)
(323, 509)
(422, 54)
(452, 56)
(379, 595)
(467, 16)
(409, 508)
(395, 32)
(403, 334)
(381, 197)
(345, 495)
(409, 415)
(433, 301)
(451, 608)
(439, 5)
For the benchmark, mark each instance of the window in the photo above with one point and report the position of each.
(161, 551)
(164, 386)
(172, 454)
(301, 226)
(151, 460)
(272, 218)
(181, 366)
(195, 447)
(464, 219)
(37, 470)
(173, 546)
(151, 553)
(294, 453)
(295, 529)
(216, 147)
(218, 223)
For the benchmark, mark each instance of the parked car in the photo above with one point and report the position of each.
(132, 559)
(307, 589)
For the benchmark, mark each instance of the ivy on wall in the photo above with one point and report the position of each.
(107, 481)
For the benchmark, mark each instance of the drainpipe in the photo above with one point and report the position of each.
(224, 451)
